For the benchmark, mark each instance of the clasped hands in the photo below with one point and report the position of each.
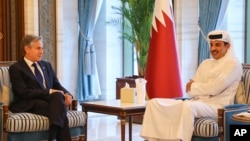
(67, 96)
(188, 85)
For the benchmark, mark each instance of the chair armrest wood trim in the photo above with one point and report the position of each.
(221, 123)
(73, 105)
(5, 116)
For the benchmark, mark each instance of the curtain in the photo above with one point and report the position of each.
(88, 81)
(209, 11)
(223, 11)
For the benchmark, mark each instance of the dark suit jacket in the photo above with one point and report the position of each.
(26, 87)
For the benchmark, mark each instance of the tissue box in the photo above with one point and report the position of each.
(127, 95)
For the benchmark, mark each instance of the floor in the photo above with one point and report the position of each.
(107, 128)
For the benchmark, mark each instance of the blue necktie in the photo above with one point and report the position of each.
(38, 74)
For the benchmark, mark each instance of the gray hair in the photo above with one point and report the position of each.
(29, 39)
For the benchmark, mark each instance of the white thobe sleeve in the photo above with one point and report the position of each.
(212, 78)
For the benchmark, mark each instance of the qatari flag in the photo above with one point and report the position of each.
(162, 70)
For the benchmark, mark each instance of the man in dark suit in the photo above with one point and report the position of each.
(37, 90)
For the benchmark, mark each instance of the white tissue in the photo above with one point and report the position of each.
(140, 90)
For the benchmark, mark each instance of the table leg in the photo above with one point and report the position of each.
(123, 123)
(130, 120)
(86, 127)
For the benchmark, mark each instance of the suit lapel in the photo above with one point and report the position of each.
(30, 73)
(27, 69)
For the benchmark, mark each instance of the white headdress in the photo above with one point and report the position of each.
(220, 35)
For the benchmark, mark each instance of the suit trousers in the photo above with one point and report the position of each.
(55, 109)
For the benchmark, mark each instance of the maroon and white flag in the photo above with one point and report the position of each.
(162, 70)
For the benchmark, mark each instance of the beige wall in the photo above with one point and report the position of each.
(31, 17)
(186, 20)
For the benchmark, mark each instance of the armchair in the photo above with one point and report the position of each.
(211, 130)
(27, 126)
(242, 101)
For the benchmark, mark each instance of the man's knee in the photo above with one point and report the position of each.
(57, 96)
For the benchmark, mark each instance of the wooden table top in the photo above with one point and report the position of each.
(113, 107)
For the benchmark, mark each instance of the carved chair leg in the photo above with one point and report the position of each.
(220, 124)
(75, 139)
(4, 136)
(78, 138)
(82, 138)
(221, 137)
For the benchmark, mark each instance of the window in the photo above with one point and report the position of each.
(234, 22)
(186, 20)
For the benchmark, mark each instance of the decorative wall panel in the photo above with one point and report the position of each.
(47, 29)
(13, 45)
(12, 29)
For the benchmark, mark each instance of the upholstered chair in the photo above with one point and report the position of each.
(27, 126)
(207, 129)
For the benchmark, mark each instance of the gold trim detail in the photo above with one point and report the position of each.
(1, 36)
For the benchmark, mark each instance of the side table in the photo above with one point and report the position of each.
(114, 107)
(239, 127)
(240, 117)
(120, 83)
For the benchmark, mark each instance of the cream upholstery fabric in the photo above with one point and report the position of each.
(27, 122)
(205, 127)
(240, 97)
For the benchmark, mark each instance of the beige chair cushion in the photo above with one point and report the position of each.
(206, 127)
(6, 95)
(240, 97)
(28, 122)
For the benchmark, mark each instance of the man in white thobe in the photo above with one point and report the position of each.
(213, 86)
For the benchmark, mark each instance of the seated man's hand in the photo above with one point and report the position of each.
(68, 99)
(188, 86)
